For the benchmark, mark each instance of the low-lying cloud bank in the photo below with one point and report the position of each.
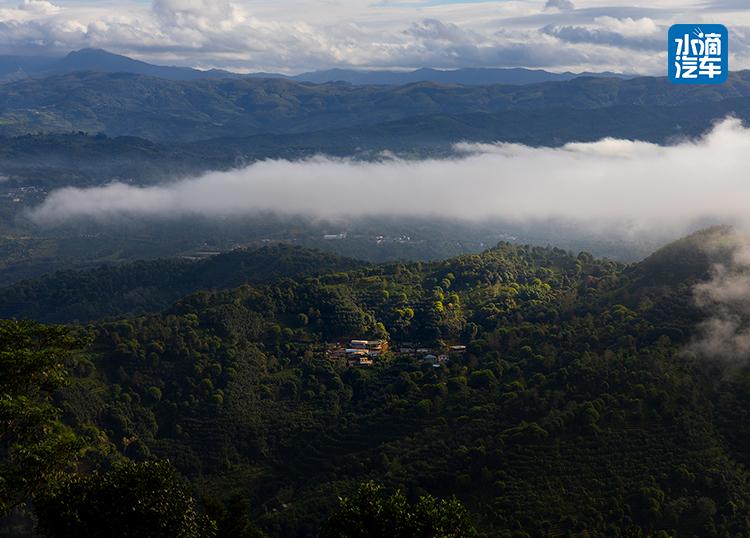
(608, 181)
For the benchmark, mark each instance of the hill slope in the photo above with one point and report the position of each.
(149, 286)
(568, 413)
(20, 67)
(159, 109)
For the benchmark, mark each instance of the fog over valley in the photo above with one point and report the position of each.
(615, 186)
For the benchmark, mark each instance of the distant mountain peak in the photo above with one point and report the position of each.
(104, 59)
(90, 51)
(99, 60)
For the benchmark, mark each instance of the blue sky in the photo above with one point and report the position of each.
(299, 35)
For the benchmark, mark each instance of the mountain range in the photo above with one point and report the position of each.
(158, 109)
(19, 67)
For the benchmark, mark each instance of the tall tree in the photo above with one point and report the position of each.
(36, 448)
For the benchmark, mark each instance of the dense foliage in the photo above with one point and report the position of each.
(147, 286)
(368, 514)
(574, 410)
(132, 499)
(65, 473)
(36, 448)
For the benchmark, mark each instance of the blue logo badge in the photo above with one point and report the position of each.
(698, 53)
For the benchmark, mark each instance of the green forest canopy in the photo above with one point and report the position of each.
(574, 410)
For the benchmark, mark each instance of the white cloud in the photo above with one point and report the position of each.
(725, 334)
(296, 35)
(41, 7)
(603, 37)
(607, 182)
(564, 5)
(630, 27)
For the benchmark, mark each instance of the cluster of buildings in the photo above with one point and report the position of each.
(379, 239)
(365, 352)
(362, 352)
(18, 195)
(357, 352)
(437, 357)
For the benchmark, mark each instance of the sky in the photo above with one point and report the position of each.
(292, 36)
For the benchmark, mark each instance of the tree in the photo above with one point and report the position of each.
(232, 517)
(36, 449)
(132, 499)
(370, 514)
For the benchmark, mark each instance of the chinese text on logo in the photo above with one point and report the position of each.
(698, 53)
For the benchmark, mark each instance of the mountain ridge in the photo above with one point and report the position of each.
(18, 67)
(180, 111)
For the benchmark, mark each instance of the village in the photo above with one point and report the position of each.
(365, 353)
(22, 195)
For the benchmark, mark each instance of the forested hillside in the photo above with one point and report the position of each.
(149, 286)
(119, 104)
(55, 160)
(575, 409)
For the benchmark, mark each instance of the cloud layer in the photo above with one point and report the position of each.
(297, 35)
(610, 181)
